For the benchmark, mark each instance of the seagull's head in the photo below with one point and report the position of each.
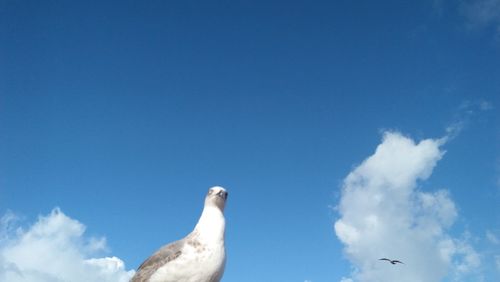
(216, 196)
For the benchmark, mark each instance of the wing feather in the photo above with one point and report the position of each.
(164, 255)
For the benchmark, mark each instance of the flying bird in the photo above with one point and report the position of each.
(198, 257)
(391, 261)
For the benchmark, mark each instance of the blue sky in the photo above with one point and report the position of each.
(117, 116)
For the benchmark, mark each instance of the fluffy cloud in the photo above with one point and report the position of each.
(384, 213)
(54, 249)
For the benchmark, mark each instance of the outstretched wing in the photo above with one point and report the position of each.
(164, 255)
(397, 261)
(385, 259)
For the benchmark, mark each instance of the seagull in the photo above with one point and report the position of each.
(391, 261)
(198, 257)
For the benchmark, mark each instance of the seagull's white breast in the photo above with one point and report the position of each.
(202, 256)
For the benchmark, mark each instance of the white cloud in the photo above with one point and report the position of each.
(492, 238)
(497, 262)
(384, 213)
(482, 12)
(478, 15)
(498, 172)
(485, 105)
(55, 249)
(464, 115)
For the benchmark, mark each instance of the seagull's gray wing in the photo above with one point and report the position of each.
(158, 259)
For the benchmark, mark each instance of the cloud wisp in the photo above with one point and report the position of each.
(384, 213)
(481, 13)
(55, 249)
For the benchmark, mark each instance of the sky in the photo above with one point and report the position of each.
(344, 132)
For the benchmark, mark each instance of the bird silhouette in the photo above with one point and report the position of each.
(392, 261)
